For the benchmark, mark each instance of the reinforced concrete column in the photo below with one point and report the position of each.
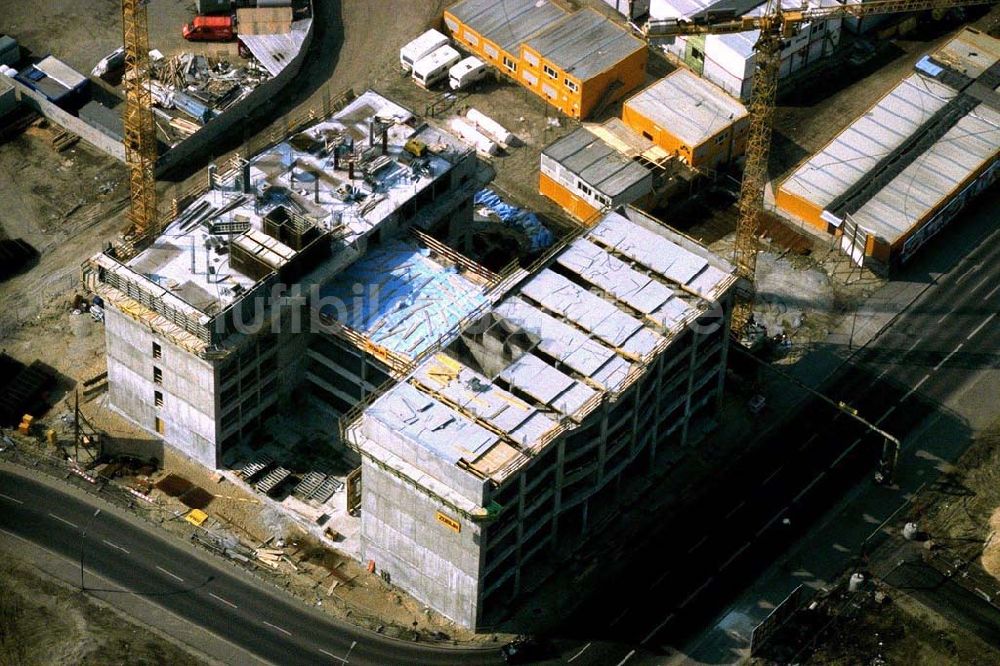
(695, 337)
(520, 533)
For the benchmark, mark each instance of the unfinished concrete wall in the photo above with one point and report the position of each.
(68, 121)
(184, 382)
(431, 560)
(202, 142)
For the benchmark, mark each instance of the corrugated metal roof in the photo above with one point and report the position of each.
(934, 176)
(687, 106)
(849, 157)
(585, 44)
(275, 51)
(596, 163)
(507, 23)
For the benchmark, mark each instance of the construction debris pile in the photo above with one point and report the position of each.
(198, 88)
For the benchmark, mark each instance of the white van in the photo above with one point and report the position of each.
(466, 72)
(434, 67)
(422, 46)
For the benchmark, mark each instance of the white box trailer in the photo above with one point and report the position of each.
(432, 68)
(420, 47)
(466, 72)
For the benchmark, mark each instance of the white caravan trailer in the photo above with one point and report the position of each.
(434, 67)
(422, 46)
(466, 72)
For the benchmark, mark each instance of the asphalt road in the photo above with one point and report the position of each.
(141, 562)
(702, 561)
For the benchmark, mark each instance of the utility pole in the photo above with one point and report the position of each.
(890, 446)
(76, 427)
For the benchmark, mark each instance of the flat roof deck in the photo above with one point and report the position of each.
(585, 44)
(596, 163)
(401, 299)
(191, 258)
(688, 106)
(509, 22)
(583, 347)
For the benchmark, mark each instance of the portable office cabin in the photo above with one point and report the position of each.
(584, 175)
(434, 67)
(56, 80)
(583, 62)
(420, 47)
(495, 30)
(900, 172)
(691, 118)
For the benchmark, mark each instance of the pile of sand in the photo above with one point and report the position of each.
(991, 553)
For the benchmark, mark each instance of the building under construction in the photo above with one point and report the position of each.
(499, 416)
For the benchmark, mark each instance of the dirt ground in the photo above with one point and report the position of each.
(80, 34)
(43, 621)
(961, 511)
(899, 631)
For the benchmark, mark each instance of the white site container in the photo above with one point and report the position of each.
(434, 67)
(466, 72)
(491, 128)
(420, 47)
(484, 145)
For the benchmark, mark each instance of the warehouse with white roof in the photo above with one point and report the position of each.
(899, 173)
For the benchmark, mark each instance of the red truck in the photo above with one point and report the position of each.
(210, 29)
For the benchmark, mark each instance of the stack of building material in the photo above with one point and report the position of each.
(272, 480)
(264, 20)
(257, 466)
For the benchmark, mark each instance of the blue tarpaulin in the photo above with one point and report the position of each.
(518, 218)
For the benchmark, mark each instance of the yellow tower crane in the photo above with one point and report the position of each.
(774, 24)
(140, 132)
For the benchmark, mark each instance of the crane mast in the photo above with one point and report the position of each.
(140, 132)
(751, 201)
(774, 24)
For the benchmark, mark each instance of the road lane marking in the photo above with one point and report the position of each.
(619, 618)
(915, 343)
(573, 658)
(627, 657)
(114, 545)
(662, 576)
(914, 388)
(19, 537)
(886, 415)
(980, 327)
(655, 631)
(172, 575)
(694, 594)
(12, 499)
(274, 626)
(333, 656)
(808, 441)
(772, 475)
(811, 484)
(734, 556)
(981, 283)
(770, 522)
(697, 545)
(950, 354)
(992, 291)
(63, 520)
(228, 603)
(735, 509)
(846, 451)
